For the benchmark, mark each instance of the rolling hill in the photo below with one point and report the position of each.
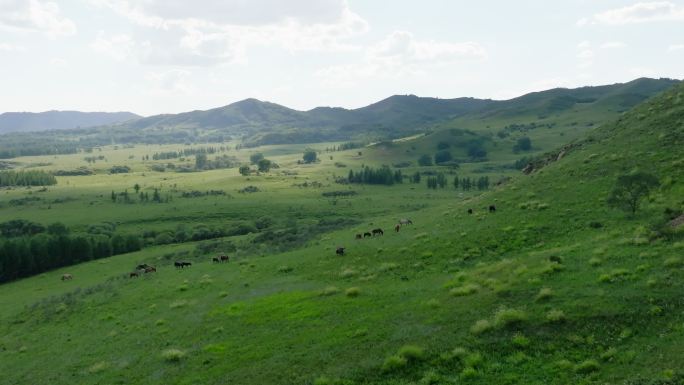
(554, 287)
(59, 120)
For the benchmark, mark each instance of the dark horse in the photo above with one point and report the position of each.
(470, 211)
(397, 228)
(492, 208)
(358, 236)
(216, 260)
(150, 269)
(378, 231)
(366, 235)
(225, 258)
(340, 251)
(133, 275)
(142, 266)
(182, 264)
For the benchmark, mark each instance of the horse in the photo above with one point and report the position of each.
(340, 251)
(225, 258)
(67, 277)
(216, 260)
(378, 231)
(182, 264)
(405, 221)
(470, 211)
(150, 269)
(358, 236)
(366, 234)
(492, 208)
(397, 227)
(142, 266)
(133, 274)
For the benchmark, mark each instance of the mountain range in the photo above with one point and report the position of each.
(59, 120)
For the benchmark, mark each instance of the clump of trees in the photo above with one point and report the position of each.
(28, 248)
(523, 144)
(26, 178)
(139, 196)
(630, 189)
(383, 175)
(425, 160)
(309, 156)
(119, 170)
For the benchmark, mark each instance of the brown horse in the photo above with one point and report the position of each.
(67, 277)
(340, 251)
(150, 269)
(133, 274)
(377, 231)
(225, 258)
(397, 227)
(358, 236)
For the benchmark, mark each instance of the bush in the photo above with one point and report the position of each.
(544, 294)
(481, 326)
(394, 363)
(506, 317)
(412, 353)
(173, 355)
(555, 316)
(519, 340)
(330, 290)
(468, 289)
(587, 366)
(443, 156)
(425, 160)
(353, 292)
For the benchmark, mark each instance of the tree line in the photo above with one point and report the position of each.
(28, 248)
(26, 178)
(383, 175)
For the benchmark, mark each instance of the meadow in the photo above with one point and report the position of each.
(554, 287)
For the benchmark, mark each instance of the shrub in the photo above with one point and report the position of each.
(519, 340)
(464, 290)
(285, 269)
(594, 261)
(544, 294)
(673, 262)
(412, 353)
(353, 292)
(506, 317)
(173, 355)
(330, 290)
(481, 326)
(473, 360)
(609, 354)
(394, 363)
(98, 367)
(555, 316)
(348, 273)
(587, 366)
(469, 372)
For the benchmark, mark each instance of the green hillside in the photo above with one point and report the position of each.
(555, 287)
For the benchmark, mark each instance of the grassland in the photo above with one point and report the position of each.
(553, 288)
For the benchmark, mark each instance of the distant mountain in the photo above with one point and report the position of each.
(59, 120)
(257, 122)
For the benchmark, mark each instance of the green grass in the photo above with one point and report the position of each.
(277, 314)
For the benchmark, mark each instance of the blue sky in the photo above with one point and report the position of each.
(167, 56)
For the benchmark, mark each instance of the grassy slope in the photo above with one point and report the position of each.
(264, 320)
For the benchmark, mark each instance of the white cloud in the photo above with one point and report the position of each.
(675, 47)
(182, 33)
(118, 47)
(643, 72)
(36, 16)
(58, 63)
(11, 47)
(175, 80)
(613, 45)
(642, 12)
(400, 55)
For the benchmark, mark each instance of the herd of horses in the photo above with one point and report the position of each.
(144, 268)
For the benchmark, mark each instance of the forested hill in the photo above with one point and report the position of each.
(59, 120)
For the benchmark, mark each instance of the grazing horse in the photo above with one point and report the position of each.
(358, 236)
(182, 264)
(556, 259)
(225, 258)
(150, 269)
(378, 231)
(142, 266)
(397, 227)
(470, 211)
(133, 274)
(187, 264)
(405, 221)
(366, 235)
(340, 251)
(492, 208)
(216, 260)
(67, 277)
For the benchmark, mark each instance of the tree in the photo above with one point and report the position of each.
(264, 165)
(200, 161)
(443, 156)
(425, 160)
(136, 188)
(309, 156)
(256, 157)
(523, 144)
(630, 189)
(245, 170)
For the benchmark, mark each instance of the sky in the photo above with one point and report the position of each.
(169, 56)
